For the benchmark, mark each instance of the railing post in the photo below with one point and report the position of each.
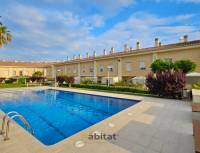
(7, 131)
(3, 125)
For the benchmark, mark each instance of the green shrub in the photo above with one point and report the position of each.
(129, 84)
(166, 84)
(48, 83)
(10, 80)
(185, 65)
(2, 80)
(36, 79)
(161, 65)
(21, 81)
(62, 80)
(38, 74)
(111, 88)
(121, 83)
(11, 85)
(87, 81)
(196, 86)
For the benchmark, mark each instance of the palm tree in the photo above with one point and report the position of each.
(5, 35)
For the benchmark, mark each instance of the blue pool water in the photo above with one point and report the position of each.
(56, 115)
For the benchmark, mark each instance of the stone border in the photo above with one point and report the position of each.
(71, 138)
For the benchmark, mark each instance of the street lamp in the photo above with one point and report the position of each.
(109, 68)
(55, 76)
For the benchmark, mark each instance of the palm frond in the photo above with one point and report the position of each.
(5, 35)
(9, 37)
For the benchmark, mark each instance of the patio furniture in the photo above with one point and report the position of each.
(192, 78)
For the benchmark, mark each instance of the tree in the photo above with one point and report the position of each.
(169, 83)
(5, 35)
(168, 79)
(68, 80)
(185, 65)
(38, 74)
(161, 65)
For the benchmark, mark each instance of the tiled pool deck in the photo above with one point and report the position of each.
(152, 126)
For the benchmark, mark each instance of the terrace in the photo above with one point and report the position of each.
(153, 125)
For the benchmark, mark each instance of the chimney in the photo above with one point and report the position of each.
(79, 56)
(185, 38)
(160, 44)
(87, 55)
(112, 50)
(157, 42)
(67, 58)
(104, 52)
(181, 39)
(94, 54)
(74, 57)
(137, 45)
(126, 47)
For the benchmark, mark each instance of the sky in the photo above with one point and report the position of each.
(51, 30)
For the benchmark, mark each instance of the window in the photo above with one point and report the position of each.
(91, 69)
(142, 65)
(25, 73)
(14, 73)
(20, 73)
(68, 70)
(129, 67)
(110, 67)
(83, 69)
(168, 59)
(4, 72)
(101, 68)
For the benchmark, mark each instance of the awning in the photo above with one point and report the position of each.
(193, 74)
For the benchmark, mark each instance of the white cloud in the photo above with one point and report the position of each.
(55, 34)
(95, 21)
(106, 7)
(111, 7)
(26, 16)
(145, 27)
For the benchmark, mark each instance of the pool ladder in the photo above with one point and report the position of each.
(9, 117)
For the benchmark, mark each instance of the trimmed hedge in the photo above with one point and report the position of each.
(11, 85)
(128, 84)
(111, 88)
(11, 80)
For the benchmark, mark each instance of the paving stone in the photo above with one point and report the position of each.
(156, 126)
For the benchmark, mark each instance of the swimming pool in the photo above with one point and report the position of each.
(56, 115)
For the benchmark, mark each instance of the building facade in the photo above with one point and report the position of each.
(118, 66)
(11, 69)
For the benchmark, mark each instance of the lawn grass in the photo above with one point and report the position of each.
(11, 85)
